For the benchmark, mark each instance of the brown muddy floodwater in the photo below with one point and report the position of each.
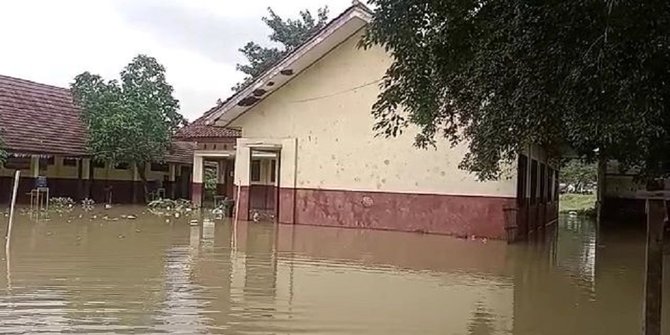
(84, 275)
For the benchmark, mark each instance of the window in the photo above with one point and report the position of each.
(69, 162)
(121, 166)
(533, 182)
(47, 161)
(160, 167)
(98, 164)
(255, 170)
(18, 163)
(273, 171)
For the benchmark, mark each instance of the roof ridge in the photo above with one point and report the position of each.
(356, 5)
(31, 82)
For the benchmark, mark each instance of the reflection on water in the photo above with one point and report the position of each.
(85, 275)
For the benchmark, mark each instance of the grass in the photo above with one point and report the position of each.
(583, 204)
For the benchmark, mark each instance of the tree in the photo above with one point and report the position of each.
(578, 173)
(589, 75)
(132, 120)
(290, 34)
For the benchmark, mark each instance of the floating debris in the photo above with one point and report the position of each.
(169, 207)
(108, 206)
(131, 217)
(87, 204)
(60, 204)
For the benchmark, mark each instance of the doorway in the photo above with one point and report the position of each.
(264, 171)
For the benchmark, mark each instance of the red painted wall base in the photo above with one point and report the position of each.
(426, 213)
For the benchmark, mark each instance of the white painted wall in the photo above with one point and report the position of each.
(326, 110)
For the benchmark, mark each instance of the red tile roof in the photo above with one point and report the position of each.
(38, 118)
(198, 129)
(181, 152)
(42, 119)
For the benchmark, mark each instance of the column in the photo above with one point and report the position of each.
(85, 167)
(135, 185)
(172, 178)
(34, 166)
(196, 184)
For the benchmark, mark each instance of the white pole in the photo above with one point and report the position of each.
(11, 212)
(237, 213)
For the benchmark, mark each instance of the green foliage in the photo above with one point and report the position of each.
(289, 34)
(578, 173)
(131, 120)
(501, 74)
(210, 178)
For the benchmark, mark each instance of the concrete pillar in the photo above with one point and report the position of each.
(85, 168)
(85, 164)
(172, 178)
(196, 184)
(34, 166)
(136, 184)
(600, 191)
(653, 287)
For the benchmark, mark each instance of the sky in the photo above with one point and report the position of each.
(51, 41)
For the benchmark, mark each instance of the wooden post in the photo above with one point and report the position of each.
(653, 288)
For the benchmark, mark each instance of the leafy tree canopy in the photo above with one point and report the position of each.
(289, 34)
(579, 173)
(131, 120)
(500, 74)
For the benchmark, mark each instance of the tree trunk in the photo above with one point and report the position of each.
(142, 173)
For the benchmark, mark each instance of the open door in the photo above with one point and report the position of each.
(264, 185)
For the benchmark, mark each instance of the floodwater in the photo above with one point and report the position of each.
(85, 275)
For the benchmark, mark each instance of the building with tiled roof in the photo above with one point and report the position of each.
(42, 131)
(308, 152)
(198, 130)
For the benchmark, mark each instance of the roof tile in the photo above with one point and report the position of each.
(199, 129)
(39, 118)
